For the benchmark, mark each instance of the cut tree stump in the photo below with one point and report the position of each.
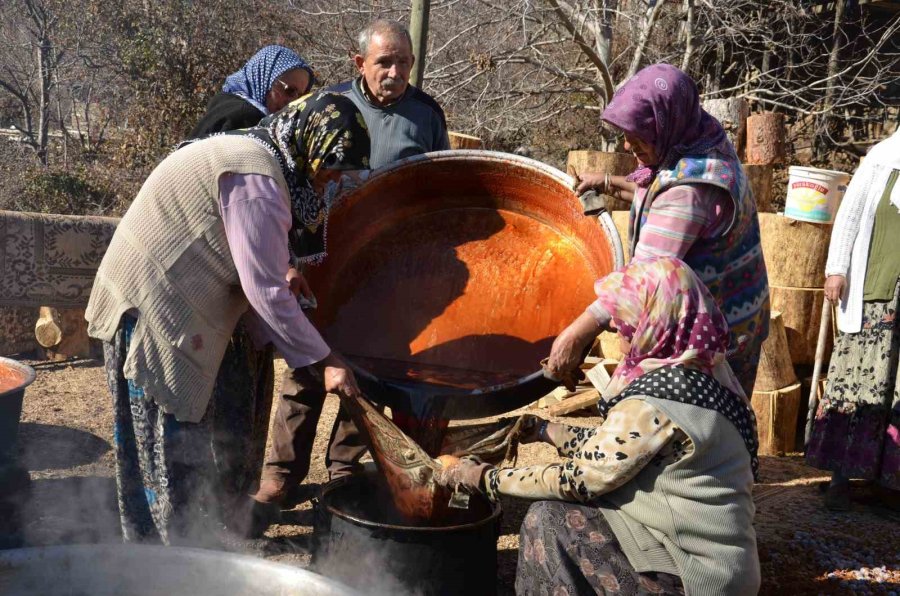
(614, 164)
(732, 113)
(776, 419)
(775, 367)
(765, 138)
(761, 180)
(460, 141)
(795, 251)
(63, 332)
(801, 311)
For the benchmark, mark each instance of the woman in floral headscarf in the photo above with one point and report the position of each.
(691, 200)
(205, 243)
(663, 486)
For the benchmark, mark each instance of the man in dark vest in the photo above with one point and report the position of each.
(402, 121)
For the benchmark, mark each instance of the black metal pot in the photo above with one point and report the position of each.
(14, 480)
(360, 542)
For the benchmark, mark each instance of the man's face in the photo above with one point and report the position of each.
(386, 67)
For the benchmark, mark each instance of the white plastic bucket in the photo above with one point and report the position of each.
(814, 195)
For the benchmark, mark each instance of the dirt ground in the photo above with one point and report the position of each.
(65, 443)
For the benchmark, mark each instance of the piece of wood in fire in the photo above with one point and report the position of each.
(732, 113)
(760, 179)
(766, 138)
(776, 371)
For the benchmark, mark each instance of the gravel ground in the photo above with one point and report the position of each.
(65, 442)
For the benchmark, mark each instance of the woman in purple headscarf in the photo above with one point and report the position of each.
(691, 200)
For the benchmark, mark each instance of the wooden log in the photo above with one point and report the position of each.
(801, 311)
(775, 367)
(614, 164)
(776, 419)
(48, 329)
(732, 113)
(582, 400)
(63, 332)
(795, 251)
(460, 141)
(760, 179)
(17, 329)
(766, 138)
(609, 346)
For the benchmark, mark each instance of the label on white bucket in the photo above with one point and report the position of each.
(814, 195)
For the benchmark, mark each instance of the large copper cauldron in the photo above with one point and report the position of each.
(458, 269)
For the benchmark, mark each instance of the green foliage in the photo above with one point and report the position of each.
(80, 191)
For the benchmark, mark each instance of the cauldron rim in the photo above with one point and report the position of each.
(330, 487)
(21, 367)
(21, 558)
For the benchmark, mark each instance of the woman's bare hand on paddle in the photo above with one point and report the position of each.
(568, 348)
(590, 181)
(338, 377)
(834, 287)
(297, 284)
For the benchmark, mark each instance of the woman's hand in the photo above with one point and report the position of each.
(297, 284)
(591, 181)
(337, 376)
(465, 474)
(567, 350)
(834, 287)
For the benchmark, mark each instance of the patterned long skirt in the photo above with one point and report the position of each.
(857, 426)
(568, 550)
(189, 483)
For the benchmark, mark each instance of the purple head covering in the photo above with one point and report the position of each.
(661, 106)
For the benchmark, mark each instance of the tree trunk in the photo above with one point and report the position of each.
(461, 141)
(765, 138)
(775, 368)
(649, 22)
(688, 34)
(760, 179)
(801, 311)
(614, 164)
(776, 419)
(44, 60)
(795, 251)
(732, 113)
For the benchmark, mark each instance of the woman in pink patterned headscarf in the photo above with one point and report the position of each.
(691, 200)
(657, 499)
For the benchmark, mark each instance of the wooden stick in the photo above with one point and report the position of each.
(575, 403)
(824, 327)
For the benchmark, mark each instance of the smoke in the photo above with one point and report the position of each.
(369, 573)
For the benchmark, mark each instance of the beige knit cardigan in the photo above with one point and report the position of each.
(169, 262)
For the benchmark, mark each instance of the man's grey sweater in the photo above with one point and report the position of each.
(412, 125)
